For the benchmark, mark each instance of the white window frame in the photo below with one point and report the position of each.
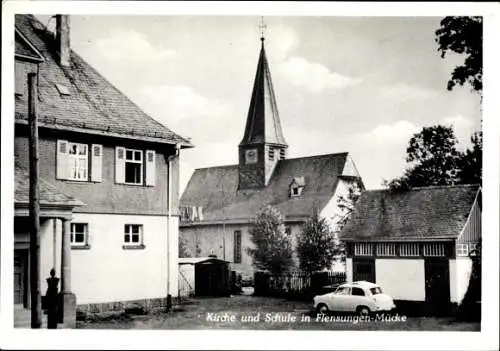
(462, 250)
(363, 249)
(73, 234)
(133, 160)
(386, 249)
(74, 160)
(409, 250)
(127, 230)
(474, 246)
(434, 249)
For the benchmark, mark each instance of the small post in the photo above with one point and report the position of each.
(34, 206)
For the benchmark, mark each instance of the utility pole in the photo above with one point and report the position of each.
(34, 205)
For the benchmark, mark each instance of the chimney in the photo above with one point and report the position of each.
(62, 39)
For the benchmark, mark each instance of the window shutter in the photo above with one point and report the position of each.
(21, 77)
(62, 168)
(150, 168)
(96, 170)
(120, 165)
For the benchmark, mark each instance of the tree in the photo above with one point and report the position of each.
(183, 249)
(464, 36)
(470, 164)
(316, 245)
(433, 159)
(346, 204)
(272, 246)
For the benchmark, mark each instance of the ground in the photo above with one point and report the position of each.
(272, 314)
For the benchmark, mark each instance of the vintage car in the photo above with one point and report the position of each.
(361, 297)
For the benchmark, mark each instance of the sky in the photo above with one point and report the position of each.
(362, 85)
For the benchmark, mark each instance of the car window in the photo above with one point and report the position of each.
(376, 291)
(358, 292)
(344, 290)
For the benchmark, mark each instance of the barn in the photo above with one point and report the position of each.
(418, 244)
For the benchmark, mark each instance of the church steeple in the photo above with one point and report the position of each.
(263, 121)
(263, 143)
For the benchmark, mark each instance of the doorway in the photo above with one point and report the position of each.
(437, 285)
(21, 278)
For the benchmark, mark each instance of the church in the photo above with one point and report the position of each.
(220, 203)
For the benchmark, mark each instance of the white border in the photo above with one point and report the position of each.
(103, 339)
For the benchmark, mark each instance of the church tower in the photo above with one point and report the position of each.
(263, 144)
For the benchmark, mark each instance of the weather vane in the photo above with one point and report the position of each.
(262, 27)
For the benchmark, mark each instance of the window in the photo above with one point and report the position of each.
(251, 156)
(376, 290)
(74, 160)
(344, 290)
(79, 234)
(462, 250)
(408, 249)
(237, 246)
(78, 161)
(386, 249)
(271, 154)
(133, 166)
(434, 249)
(282, 154)
(474, 248)
(363, 249)
(133, 236)
(357, 292)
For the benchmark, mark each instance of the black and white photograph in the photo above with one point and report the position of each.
(190, 169)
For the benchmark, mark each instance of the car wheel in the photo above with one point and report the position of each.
(322, 308)
(363, 310)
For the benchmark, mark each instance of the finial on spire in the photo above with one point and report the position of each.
(262, 27)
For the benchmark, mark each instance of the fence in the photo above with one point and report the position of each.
(295, 285)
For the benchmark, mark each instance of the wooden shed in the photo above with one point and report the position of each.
(203, 276)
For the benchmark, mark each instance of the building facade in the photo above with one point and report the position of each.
(220, 203)
(418, 244)
(108, 171)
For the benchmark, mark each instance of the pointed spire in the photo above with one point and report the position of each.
(263, 122)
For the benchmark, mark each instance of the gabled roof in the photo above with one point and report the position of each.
(93, 106)
(216, 189)
(49, 195)
(263, 121)
(437, 212)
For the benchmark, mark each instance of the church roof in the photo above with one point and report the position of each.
(436, 212)
(216, 189)
(263, 121)
(90, 103)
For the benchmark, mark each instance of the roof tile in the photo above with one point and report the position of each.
(94, 104)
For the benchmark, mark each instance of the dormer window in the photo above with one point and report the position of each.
(296, 187)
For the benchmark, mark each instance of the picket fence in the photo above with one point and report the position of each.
(295, 284)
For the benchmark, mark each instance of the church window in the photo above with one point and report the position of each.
(282, 154)
(271, 154)
(237, 246)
